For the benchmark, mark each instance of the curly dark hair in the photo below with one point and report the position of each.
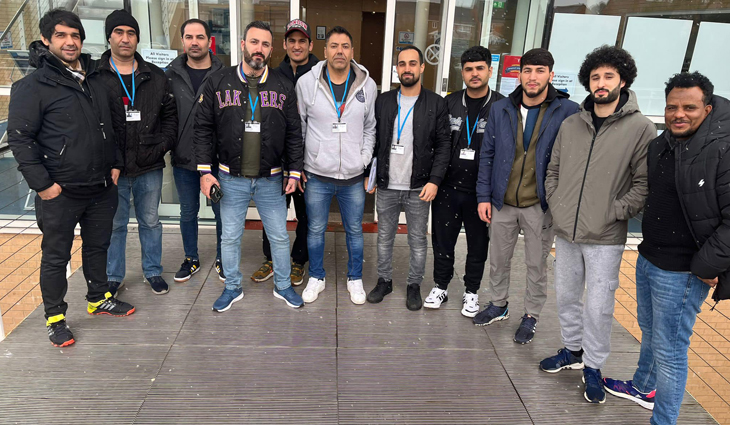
(476, 54)
(687, 80)
(612, 56)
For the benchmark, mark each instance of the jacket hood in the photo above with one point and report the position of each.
(313, 60)
(628, 104)
(717, 124)
(552, 94)
(361, 77)
(178, 64)
(39, 55)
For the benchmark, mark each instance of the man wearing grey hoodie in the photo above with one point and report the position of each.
(596, 181)
(337, 106)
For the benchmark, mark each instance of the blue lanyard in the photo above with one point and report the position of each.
(338, 105)
(131, 98)
(253, 104)
(470, 133)
(403, 125)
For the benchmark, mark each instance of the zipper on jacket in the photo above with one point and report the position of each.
(60, 153)
(582, 186)
(519, 183)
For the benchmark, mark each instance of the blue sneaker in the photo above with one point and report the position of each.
(227, 298)
(563, 360)
(491, 314)
(290, 296)
(594, 392)
(627, 390)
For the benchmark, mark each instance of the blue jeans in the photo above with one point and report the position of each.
(667, 307)
(188, 191)
(318, 197)
(147, 191)
(270, 201)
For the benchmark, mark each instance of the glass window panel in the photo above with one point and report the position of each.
(706, 60)
(658, 47)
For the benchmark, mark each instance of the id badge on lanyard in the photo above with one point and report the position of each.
(339, 126)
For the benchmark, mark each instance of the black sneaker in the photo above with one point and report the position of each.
(594, 391)
(413, 298)
(491, 314)
(219, 270)
(383, 288)
(158, 284)
(187, 269)
(60, 334)
(110, 306)
(114, 287)
(526, 331)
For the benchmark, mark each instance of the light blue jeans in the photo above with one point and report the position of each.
(667, 305)
(318, 197)
(147, 191)
(270, 201)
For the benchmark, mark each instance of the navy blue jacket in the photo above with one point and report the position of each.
(498, 146)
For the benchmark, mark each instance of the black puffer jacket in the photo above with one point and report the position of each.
(431, 137)
(187, 104)
(143, 143)
(703, 183)
(58, 130)
(219, 124)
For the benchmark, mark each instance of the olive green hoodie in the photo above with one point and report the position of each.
(596, 182)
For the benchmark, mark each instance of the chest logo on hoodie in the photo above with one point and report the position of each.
(360, 95)
(701, 183)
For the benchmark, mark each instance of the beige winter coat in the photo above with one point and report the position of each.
(596, 182)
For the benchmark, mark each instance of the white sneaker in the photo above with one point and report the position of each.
(471, 305)
(436, 297)
(314, 287)
(357, 293)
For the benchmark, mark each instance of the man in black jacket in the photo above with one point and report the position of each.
(187, 73)
(686, 245)
(412, 149)
(146, 106)
(297, 62)
(456, 201)
(248, 123)
(71, 161)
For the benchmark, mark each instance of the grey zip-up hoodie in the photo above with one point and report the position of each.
(339, 156)
(596, 182)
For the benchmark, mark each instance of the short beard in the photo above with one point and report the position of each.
(683, 135)
(411, 83)
(250, 61)
(534, 95)
(612, 96)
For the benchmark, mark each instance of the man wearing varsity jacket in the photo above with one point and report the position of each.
(248, 122)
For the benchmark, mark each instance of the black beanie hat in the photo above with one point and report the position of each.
(117, 18)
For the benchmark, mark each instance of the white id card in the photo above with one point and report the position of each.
(467, 154)
(134, 116)
(339, 127)
(397, 149)
(252, 127)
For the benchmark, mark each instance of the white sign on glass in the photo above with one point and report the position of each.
(159, 57)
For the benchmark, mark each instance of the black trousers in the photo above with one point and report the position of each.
(449, 210)
(299, 253)
(57, 219)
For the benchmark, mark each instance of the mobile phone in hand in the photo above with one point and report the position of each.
(215, 193)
